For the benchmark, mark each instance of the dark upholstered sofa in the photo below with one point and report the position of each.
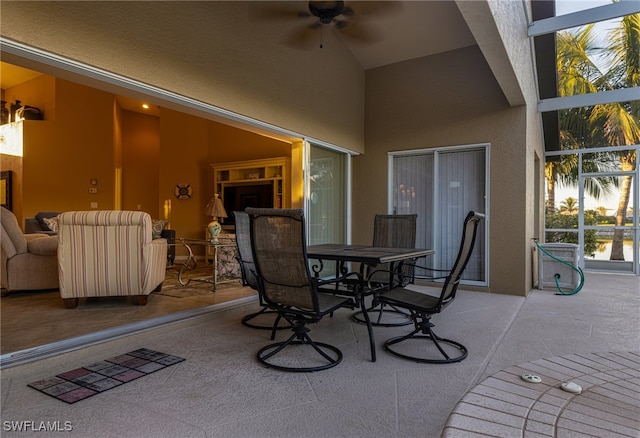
(170, 235)
(37, 224)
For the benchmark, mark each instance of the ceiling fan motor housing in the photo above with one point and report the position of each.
(326, 11)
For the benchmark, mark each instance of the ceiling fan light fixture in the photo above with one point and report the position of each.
(326, 11)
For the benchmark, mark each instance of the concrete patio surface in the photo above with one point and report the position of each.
(220, 390)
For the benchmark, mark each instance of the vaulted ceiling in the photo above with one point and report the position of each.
(403, 30)
(400, 30)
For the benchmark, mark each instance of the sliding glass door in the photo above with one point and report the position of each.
(441, 186)
(326, 195)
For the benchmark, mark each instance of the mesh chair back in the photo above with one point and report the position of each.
(280, 254)
(243, 239)
(469, 233)
(393, 231)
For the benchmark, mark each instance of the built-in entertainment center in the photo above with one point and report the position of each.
(253, 183)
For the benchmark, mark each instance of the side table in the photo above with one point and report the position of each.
(191, 263)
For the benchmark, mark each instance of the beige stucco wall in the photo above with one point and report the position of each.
(446, 100)
(511, 22)
(482, 94)
(209, 51)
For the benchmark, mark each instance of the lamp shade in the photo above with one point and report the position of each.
(215, 208)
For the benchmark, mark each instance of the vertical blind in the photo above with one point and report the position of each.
(442, 187)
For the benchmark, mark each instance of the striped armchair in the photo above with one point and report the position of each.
(108, 253)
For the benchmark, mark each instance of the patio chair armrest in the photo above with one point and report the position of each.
(429, 277)
(417, 266)
(398, 277)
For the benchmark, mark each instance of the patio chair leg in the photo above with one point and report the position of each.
(265, 310)
(300, 337)
(381, 310)
(426, 328)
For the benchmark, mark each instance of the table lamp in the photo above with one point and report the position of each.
(215, 209)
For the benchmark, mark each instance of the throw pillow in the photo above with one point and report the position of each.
(45, 214)
(52, 223)
(157, 227)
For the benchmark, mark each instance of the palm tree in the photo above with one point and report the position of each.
(558, 171)
(615, 124)
(569, 206)
(577, 75)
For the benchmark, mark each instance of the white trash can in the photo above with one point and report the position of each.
(548, 266)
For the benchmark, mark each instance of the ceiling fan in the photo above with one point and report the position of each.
(327, 12)
(346, 19)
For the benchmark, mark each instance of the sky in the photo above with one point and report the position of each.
(567, 6)
(610, 202)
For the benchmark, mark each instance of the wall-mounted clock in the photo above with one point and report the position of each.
(183, 191)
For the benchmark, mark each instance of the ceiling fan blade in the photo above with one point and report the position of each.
(359, 33)
(340, 24)
(303, 38)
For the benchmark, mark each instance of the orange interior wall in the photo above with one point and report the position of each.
(39, 92)
(229, 144)
(86, 134)
(184, 155)
(140, 152)
(61, 156)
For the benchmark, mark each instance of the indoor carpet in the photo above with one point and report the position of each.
(81, 383)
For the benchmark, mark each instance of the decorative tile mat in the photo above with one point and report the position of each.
(81, 383)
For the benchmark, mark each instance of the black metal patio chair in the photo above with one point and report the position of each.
(422, 305)
(389, 230)
(247, 269)
(287, 286)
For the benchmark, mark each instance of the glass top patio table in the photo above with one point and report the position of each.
(366, 255)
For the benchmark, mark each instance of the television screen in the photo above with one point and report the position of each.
(239, 197)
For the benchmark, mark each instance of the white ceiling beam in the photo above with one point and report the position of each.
(582, 100)
(581, 18)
